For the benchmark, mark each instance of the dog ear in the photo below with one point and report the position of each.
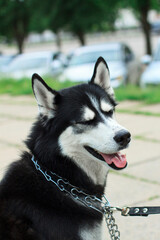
(45, 96)
(101, 76)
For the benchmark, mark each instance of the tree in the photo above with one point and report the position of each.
(14, 19)
(90, 15)
(19, 17)
(141, 9)
(79, 16)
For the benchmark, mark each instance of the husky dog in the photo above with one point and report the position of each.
(72, 145)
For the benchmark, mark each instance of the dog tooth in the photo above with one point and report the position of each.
(123, 151)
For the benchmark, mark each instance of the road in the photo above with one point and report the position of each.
(138, 184)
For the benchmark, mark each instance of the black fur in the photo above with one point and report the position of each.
(32, 208)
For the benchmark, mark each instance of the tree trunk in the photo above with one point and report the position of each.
(20, 43)
(58, 40)
(81, 37)
(20, 33)
(146, 26)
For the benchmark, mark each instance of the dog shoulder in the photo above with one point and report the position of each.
(14, 225)
(10, 225)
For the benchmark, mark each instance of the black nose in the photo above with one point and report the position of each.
(122, 137)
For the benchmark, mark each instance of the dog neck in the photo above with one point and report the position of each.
(77, 194)
(67, 169)
(90, 177)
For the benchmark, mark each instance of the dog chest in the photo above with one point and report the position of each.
(94, 232)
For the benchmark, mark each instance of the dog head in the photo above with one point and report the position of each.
(82, 121)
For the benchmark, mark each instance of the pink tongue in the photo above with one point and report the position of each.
(118, 159)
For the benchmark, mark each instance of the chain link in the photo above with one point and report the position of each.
(91, 201)
(77, 194)
(112, 226)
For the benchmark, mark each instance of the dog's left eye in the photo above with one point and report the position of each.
(109, 113)
(84, 122)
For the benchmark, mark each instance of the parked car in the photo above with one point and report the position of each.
(44, 63)
(151, 74)
(5, 60)
(155, 27)
(120, 59)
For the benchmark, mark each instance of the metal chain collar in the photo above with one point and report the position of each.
(112, 226)
(91, 201)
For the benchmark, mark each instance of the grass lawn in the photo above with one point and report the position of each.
(23, 86)
(149, 95)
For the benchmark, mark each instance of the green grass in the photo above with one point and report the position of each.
(149, 95)
(143, 138)
(23, 86)
(138, 112)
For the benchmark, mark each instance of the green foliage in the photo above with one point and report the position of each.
(141, 9)
(77, 16)
(82, 15)
(19, 17)
(136, 4)
(15, 19)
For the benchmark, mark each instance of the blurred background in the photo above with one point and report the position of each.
(61, 41)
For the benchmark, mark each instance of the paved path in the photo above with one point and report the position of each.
(139, 184)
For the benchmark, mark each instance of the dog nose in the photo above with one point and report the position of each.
(122, 137)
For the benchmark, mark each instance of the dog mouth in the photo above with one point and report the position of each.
(116, 161)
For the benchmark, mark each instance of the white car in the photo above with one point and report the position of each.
(5, 60)
(151, 75)
(119, 57)
(44, 63)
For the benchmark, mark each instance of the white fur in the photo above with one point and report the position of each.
(72, 145)
(94, 101)
(100, 138)
(88, 114)
(102, 78)
(93, 233)
(102, 71)
(44, 99)
(106, 107)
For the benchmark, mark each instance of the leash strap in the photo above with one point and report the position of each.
(140, 211)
